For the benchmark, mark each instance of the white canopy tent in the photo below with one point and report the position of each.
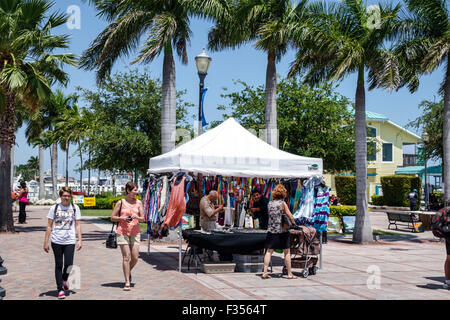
(231, 150)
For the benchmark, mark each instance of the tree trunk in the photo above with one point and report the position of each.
(7, 139)
(168, 103)
(89, 173)
(363, 229)
(54, 169)
(446, 135)
(81, 168)
(271, 101)
(41, 174)
(67, 163)
(12, 165)
(98, 182)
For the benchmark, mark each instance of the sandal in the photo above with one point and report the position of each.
(292, 277)
(127, 287)
(266, 276)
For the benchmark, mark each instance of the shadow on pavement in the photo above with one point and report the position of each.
(51, 293)
(116, 284)
(156, 259)
(95, 236)
(431, 286)
(25, 228)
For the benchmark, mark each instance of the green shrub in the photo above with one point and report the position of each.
(346, 189)
(339, 211)
(439, 196)
(104, 202)
(397, 187)
(377, 200)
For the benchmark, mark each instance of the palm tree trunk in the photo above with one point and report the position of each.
(271, 101)
(168, 103)
(7, 139)
(67, 163)
(81, 168)
(41, 173)
(89, 173)
(98, 182)
(363, 229)
(54, 169)
(446, 135)
(12, 165)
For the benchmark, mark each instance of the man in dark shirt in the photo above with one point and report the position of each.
(413, 197)
(259, 209)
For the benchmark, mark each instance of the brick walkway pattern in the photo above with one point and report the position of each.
(402, 267)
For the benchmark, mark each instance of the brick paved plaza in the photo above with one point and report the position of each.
(409, 267)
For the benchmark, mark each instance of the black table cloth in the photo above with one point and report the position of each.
(227, 243)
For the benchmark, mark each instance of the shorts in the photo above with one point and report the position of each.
(447, 246)
(278, 240)
(129, 240)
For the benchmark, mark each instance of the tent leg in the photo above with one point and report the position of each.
(179, 251)
(148, 243)
(320, 256)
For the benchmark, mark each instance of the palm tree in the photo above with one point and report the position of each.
(33, 164)
(43, 124)
(166, 23)
(71, 127)
(27, 69)
(425, 47)
(342, 40)
(269, 23)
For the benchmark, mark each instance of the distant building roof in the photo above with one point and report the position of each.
(419, 170)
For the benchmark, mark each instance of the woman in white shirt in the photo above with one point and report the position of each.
(63, 223)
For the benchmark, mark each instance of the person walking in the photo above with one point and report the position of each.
(64, 229)
(413, 197)
(23, 201)
(129, 212)
(277, 236)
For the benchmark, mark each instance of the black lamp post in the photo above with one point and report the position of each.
(202, 61)
(425, 141)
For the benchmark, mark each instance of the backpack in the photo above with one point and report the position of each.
(440, 223)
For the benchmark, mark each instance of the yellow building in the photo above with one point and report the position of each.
(387, 140)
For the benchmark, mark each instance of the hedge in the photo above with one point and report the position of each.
(377, 200)
(104, 203)
(339, 211)
(397, 187)
(346, 189)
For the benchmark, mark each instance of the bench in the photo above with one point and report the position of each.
(408, 218)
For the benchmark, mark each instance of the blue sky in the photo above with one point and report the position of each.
(245, 63)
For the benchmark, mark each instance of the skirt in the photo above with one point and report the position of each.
(278, 240)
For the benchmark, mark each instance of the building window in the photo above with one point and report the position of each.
(371, 132)
(387, 152)
(371, 151)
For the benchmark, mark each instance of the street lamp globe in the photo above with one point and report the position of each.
(202, 62)
(425, 137)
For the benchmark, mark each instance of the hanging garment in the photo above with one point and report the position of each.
(228, 220)
(321, 209)
(304, 214)
(242, 216)
(177, 203)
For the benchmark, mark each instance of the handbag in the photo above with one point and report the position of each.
(285, 222)
(111, 241)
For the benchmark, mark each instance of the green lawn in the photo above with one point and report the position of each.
(96, 212)
(142, 226)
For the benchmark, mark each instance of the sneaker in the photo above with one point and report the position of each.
(446, 286)
(66, 285)
(61, 295)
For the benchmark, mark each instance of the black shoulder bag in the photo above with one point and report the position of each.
(111, 242)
